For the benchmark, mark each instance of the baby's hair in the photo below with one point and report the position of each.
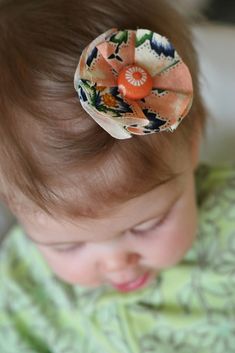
(52, 154)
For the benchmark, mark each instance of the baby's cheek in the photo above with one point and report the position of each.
(63, 266)
(72, 274)
(176, 238)
(169, 247)
(80, 271)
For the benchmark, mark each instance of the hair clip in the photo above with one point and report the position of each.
(133, 83)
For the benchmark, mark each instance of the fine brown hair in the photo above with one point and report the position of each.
(52, 154)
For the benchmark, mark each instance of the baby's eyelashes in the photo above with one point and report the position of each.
(146, 227)
(69, 248)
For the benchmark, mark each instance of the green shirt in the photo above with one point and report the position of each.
(189, 308)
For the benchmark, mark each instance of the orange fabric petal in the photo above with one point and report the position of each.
(100, 72)
(169, 105)
(176, 78)
(126, 52)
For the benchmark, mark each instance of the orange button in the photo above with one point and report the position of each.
(134, 82)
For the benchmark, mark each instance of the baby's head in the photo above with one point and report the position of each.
(101, 210)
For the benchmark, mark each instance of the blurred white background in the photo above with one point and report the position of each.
(216, 47)
(190, 7)
(215, 42)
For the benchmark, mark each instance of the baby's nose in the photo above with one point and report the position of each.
(119, 261)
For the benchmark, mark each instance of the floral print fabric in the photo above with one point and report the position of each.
(188, 309)
(96, 79)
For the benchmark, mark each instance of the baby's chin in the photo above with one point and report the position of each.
(74, 282)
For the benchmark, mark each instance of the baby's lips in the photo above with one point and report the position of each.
(134, 284)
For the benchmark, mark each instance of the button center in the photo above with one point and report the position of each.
(134, 82)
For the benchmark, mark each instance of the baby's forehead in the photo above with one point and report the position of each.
(123, 216)
(89, 210)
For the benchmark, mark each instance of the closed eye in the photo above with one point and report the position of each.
(148, 227)
(152, 225)
(58, 248)
(69, 248)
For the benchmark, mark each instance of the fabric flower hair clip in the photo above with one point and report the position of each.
(133, 83)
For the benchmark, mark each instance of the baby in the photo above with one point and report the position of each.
(109, 256)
